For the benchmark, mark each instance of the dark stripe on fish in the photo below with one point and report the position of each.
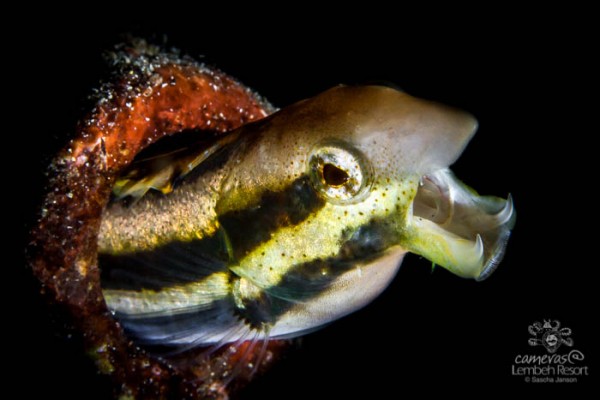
(173, 264)
(251, 227)
(309, 279)
(177, 263)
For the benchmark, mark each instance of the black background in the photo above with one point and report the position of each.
(519, 74)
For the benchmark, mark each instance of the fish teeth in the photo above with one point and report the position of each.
(507, 211)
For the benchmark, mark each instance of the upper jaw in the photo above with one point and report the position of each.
(453, 226)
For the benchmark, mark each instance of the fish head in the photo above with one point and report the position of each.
(356, 177)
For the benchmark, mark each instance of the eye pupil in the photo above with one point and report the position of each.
(334, 176)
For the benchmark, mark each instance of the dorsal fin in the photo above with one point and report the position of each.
(159, 166)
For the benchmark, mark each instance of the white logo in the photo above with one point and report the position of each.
(550, 335)
(551, 366)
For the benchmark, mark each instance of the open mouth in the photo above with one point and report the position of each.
(454, 227)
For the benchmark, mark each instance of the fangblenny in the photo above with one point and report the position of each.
(288, 223)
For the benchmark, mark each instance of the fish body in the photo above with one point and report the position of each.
(291, 222)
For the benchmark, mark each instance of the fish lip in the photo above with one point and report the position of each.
(455, 227)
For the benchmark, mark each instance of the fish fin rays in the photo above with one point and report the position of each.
(169, 294)
(202, 336)
(192, 317)
(162, 164)
(173, 264)
(172, 327)
(202, 333)
(249, 354)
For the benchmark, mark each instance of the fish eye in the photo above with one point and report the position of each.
(338, 172)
